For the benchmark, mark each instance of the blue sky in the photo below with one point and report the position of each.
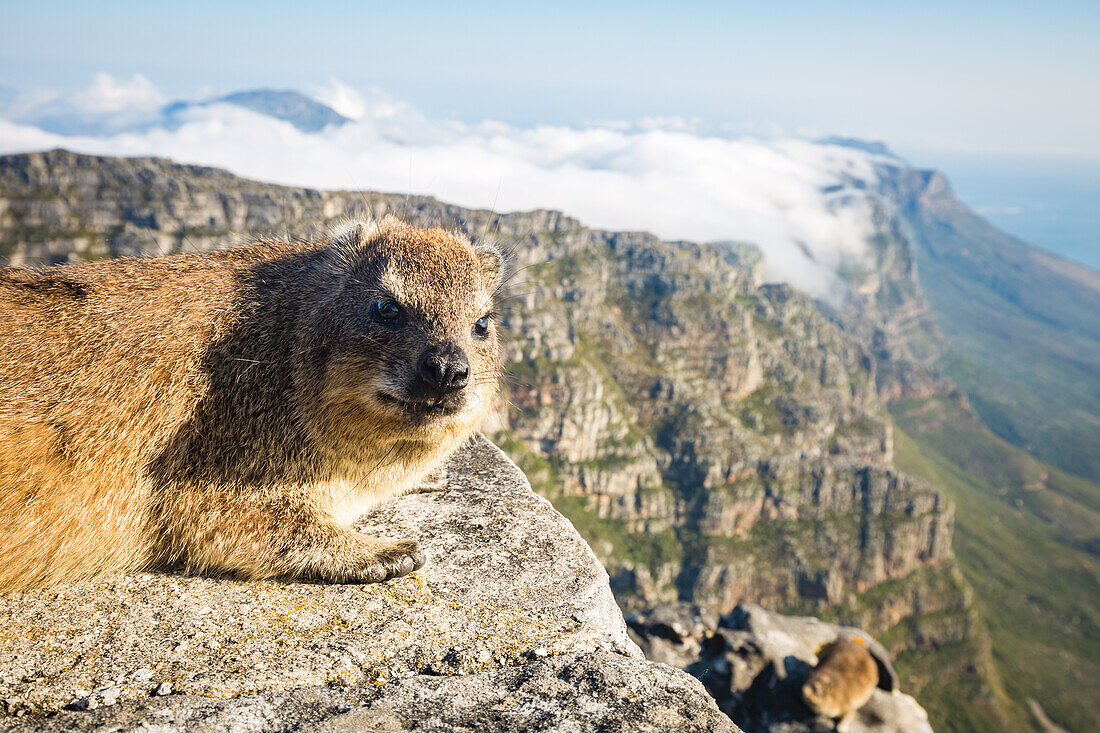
(984, 77)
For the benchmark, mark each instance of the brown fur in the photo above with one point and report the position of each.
(225, 412)
(842, 681)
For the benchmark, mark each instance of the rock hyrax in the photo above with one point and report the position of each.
(236, 411)
(842, 681)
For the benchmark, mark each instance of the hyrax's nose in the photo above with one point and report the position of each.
(446, 370)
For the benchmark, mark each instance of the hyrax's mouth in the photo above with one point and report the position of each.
(421, 410)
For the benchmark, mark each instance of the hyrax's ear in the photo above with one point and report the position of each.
(492, 264)
(354, 234)
(348, 241)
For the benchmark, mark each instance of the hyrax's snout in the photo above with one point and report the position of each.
(445, 370)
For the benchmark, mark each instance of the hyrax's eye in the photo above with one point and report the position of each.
(481, 327)
(385, 309)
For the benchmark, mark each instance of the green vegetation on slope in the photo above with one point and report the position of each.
(1068, 502)
(1025, 327)
(1036, 588)
(953, 684)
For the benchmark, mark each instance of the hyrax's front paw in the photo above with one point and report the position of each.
(382, 560)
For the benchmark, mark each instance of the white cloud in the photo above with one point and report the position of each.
(108, 105)
(342, 98)
(662, 178)
(107, 94)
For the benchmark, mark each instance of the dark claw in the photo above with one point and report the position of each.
(376, 574)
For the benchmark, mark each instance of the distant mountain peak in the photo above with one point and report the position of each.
(306, 114)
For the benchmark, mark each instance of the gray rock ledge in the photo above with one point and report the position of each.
(511, 625)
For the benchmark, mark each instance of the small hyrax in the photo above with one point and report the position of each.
(842, 681)
(234, 412)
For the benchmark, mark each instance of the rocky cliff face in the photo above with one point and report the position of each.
(884, 306)
(716, 440)
(659, 389)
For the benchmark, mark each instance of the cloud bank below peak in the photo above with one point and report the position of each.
(798, 201)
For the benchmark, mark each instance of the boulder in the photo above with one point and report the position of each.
(754, 663)
(510, 625)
